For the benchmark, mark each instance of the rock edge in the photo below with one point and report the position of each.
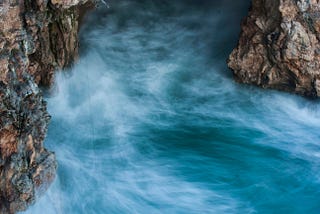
(37, 37)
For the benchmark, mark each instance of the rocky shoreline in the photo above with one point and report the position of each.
(36, 39)
(279, 47)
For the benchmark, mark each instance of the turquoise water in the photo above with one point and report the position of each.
(150, 120)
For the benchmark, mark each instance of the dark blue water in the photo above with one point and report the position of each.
(150, 120)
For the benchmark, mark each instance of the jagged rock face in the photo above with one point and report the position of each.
(36, 38)
(279, 46)
(53, 40)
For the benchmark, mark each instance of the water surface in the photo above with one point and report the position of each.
(150, 120)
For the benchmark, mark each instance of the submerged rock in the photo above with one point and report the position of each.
(279, 47)
(36, 38)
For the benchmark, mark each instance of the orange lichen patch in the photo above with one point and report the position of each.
(8, 143)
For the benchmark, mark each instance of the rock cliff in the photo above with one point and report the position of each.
(279, 46)
(37, 37)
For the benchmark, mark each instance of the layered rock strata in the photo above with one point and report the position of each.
(37, 37)
(279, 46)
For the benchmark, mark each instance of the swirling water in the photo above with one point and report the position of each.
(150, 120)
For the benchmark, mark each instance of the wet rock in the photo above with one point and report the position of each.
(36, 38)
(279, 46)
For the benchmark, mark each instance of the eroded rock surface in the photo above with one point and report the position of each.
(279, 46)
(37, 37)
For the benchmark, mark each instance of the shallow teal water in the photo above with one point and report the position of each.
(150, 120)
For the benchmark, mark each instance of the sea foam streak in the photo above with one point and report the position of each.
(150, 121)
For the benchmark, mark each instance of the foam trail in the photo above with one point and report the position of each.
(150, 121)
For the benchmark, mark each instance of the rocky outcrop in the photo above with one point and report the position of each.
(37, 37)
(279, 46)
